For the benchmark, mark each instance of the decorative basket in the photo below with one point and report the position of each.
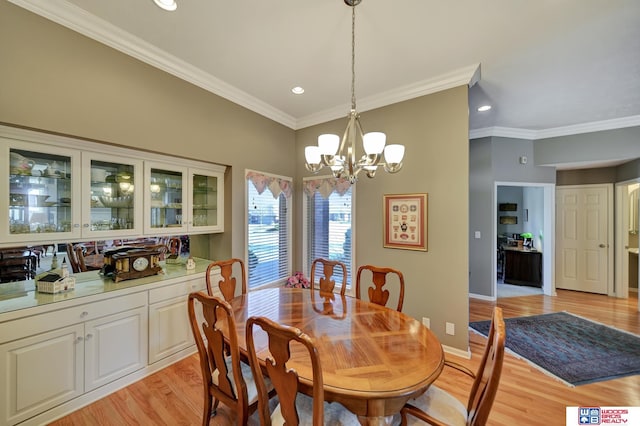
(58, 286)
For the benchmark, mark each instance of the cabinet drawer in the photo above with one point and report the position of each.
(176, 290)
(35, 324)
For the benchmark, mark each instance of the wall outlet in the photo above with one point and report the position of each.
(451, 328)
(426, 322)
(477, 235)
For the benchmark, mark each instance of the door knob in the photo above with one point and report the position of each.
(602, 246)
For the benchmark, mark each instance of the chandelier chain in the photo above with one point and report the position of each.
(353, 57)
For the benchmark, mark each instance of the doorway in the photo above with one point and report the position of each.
(536, 214)
(626, 237)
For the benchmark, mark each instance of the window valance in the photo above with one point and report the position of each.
(325, 186)
(276, 184)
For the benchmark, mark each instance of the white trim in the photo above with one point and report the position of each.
(621, 239)
(595, 126)
(482, 297)
(457, 352)
(455, 78)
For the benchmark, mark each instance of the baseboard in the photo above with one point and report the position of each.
(482, 297)
(457, 352)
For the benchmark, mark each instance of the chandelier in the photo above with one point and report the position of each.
(340, 154)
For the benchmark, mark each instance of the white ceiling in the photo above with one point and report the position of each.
(548, 67)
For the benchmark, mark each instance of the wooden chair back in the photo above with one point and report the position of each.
(72, 258)
(284, 379)
(377, 293)
(485, 386)
(217, 343)
(228, 283)
(485, 383)
(326, 284)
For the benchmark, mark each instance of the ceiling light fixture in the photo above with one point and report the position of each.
(484, 108)
(297, 90)
(340, 154)
(169, 5)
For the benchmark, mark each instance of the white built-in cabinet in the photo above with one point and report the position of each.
(169, 328)
(183, 199)
(65, 189)
(52, 358)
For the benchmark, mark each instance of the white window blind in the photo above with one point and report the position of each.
(328, 222)
(268, 229)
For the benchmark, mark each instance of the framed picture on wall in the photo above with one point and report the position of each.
(405, 221)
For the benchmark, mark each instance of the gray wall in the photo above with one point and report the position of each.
(597, 146)
(494, 159)
(586, 176)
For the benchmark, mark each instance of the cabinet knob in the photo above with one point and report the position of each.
(79, 339)
(76, 225)
(89, 336)
(85, 225)
(602, 246)
(84, 314)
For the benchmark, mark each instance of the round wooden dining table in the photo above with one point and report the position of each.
(374, 359)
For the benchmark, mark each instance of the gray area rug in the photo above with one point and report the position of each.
(573, 349)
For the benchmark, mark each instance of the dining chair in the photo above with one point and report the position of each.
(228, 283)
(326, 284)
(225, 379)
(72, 258)
(80, 252)
(294, 408)
(437, 407)
(377, 293)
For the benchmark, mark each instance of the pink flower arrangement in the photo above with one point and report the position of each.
(297, 280)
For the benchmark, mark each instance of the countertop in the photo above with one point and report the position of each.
(22, 294)
(522, 250)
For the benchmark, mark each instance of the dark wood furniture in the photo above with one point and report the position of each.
(430, 407)
(522, 267)
(326, 282)
(377, 294)
(374, 359)
(228, 282)
(224, 378)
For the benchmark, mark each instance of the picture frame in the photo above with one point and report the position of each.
(405, 221)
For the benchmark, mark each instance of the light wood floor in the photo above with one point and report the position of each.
(526, 396)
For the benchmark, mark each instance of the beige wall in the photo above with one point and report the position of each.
(56, 80)
(434, 129)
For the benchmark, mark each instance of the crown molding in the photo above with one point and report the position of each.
(76, 19)
(468, 75)
(576, 129)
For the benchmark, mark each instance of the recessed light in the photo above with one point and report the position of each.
(297, 90)
(169, 5)
(484, 108)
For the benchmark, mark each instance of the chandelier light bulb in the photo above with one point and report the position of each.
(394, 154)
(373, 142)
(312, 155)
(328, 144)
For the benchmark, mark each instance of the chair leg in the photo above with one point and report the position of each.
(209, 410)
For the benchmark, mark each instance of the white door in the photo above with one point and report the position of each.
(583, 223)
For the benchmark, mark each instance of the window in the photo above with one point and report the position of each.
(268, 257)
(328, 222)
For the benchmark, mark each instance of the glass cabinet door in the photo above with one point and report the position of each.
(112, 191)
(43, 184)
(164, 199)
(206, 197)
